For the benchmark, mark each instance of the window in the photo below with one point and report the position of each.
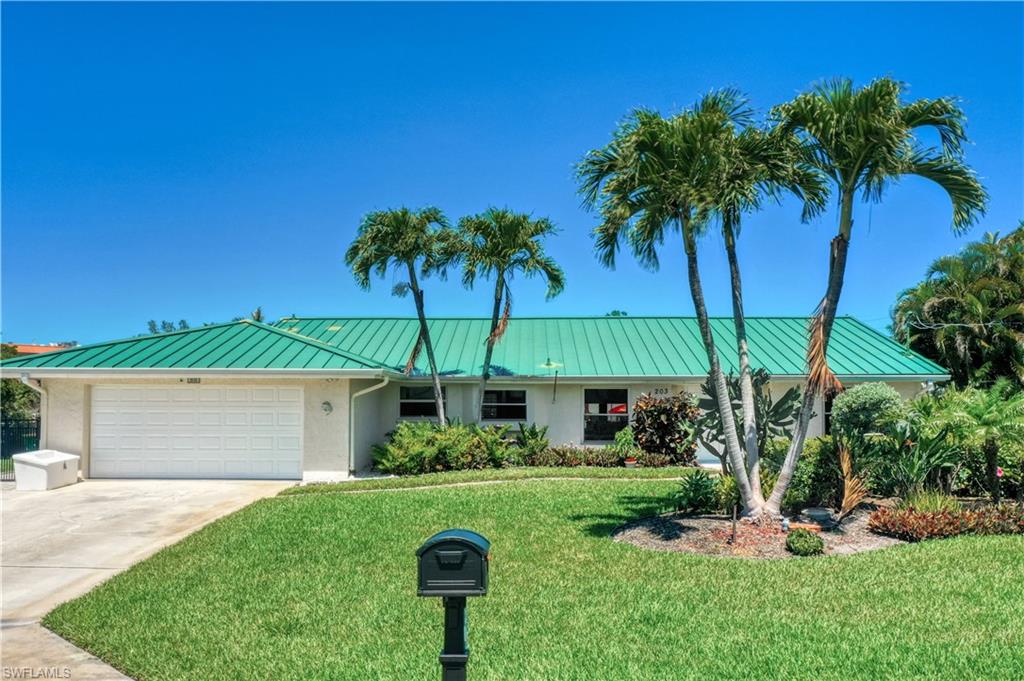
(605, 412)
(417, 401)
(828, 414)
(504, 405)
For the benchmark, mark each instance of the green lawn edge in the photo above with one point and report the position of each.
(490, 475)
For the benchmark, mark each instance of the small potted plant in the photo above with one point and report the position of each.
(630, 461)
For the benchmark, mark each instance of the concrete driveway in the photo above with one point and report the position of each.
(57, 545)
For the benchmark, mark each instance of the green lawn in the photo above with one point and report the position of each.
(322, 586)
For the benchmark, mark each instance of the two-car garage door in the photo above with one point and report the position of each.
(196, 431)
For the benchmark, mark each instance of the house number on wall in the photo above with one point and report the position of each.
(660, 391)
(189, 380)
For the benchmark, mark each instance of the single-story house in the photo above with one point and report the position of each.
(306, 398)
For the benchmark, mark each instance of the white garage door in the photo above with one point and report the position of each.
(196, 431)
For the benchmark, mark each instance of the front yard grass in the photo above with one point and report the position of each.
(322, 586)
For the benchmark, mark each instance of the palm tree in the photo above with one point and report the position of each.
(863, 140)
(499, 243)
(655, 177)
(409, 242)
(756, 165)
(968, 313)
(985, 418)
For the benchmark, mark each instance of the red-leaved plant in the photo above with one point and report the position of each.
(912, 525)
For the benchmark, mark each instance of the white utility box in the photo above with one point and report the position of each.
(45, 469)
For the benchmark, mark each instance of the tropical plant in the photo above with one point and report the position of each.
(409, 243)
(697, 493)
(657, 176)
(911, 524)
(498, 244)
(666, 426)
(625, 444)
(968, 313)
(532, 440)
(774, 418)
(854, 486)
(931, 502)
(910, 458)
(863, 140)
(801, 542)
(984, 419)
(425, 447)
(865, 408)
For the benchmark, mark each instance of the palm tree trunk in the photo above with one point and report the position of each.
(991, 465)
(732, 442)
(827, 317)
(417, 295)
(746, 382)
(499, 292)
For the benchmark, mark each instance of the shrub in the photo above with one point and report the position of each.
(865, 408)
(697, 493)
(625, 445)
(931, 502)
(802, 542)
(666, 426)
(911, 459)
(573, 455)
(817, 480)
(913, 525)
(423, 447)
(532, 440)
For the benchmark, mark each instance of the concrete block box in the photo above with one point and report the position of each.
(45, 469)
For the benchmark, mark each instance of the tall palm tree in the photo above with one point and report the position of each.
(498, 244)
(409, 242)
(863, 140)
(968, 313)
(655, 177)
(755, 165)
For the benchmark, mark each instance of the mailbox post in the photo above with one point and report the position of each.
(453, 564)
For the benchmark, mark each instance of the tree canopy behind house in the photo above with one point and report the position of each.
(968, 313)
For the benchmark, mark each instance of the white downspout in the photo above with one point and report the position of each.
(352, 421)
(43, 405)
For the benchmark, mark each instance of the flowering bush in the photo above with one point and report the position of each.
(910, 524)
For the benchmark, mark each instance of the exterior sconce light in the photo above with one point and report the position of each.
(327, 407)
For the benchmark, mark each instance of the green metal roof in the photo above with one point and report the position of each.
(243, 344)
(584, 347)
(616, 346)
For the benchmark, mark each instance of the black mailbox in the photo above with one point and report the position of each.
(454, 563)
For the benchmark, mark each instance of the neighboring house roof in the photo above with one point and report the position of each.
(242, 345)
(617, 346)
(36, 349)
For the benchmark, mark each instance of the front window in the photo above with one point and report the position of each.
(417, 401)
(605, 412)
(504, 405)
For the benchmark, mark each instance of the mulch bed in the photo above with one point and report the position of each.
(709, 536)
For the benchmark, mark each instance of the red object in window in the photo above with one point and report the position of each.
(617, 409)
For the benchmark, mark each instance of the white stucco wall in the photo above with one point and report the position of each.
(561, 410)
(325, 437)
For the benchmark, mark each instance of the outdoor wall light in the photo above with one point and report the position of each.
(327, 407)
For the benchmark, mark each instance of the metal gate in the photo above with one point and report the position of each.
(16, 436)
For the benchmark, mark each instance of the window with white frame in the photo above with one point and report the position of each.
(417, 401)
(504, 405)
(605, 412)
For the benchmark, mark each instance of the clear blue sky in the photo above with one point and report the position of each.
(196, 160)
